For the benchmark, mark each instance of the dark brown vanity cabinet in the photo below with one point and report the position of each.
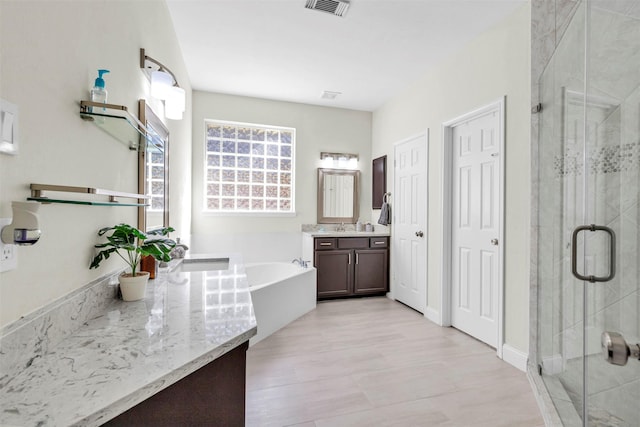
(350, 266)
(214, 395)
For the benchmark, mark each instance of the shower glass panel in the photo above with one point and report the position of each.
(589, 173)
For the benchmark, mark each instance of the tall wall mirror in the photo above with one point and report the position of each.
(153, 170)
(338, 196)
(378, 181)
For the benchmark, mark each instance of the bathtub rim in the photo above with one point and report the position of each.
(297, 272)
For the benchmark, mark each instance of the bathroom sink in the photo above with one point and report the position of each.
(203, 264)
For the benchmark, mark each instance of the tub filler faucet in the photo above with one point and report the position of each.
(179, 250)
(302, 263)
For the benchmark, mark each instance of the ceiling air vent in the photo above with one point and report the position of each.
(338, 8)
(327, 94)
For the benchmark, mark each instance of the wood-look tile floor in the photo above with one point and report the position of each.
(374, 362)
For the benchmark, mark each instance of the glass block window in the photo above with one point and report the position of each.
(249, 168)
(155, 179)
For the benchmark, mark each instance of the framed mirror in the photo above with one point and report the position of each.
(338, 196)
(153, 170)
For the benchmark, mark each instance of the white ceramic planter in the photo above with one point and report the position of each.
(133, 287)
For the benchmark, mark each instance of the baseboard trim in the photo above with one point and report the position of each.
(515, 357)
(433, 315)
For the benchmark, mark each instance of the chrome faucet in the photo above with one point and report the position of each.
(179, 250)
(340, 227)
(302, 263)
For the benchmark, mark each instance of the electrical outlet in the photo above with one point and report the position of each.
(8, 253)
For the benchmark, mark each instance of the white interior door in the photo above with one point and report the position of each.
(475, 226)
(409, 248)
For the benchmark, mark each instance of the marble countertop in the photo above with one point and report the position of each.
(332, 233)
(133, 349)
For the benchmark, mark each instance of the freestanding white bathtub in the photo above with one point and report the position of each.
(281, 292)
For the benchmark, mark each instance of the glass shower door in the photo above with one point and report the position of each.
(562, 199)
(589, 214)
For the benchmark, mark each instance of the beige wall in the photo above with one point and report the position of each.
(50, 52)
(491, 66)
(317, 129)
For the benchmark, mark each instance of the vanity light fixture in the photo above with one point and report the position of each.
(164, 86)
(339, 160)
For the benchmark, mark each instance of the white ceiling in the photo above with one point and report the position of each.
(278, 49)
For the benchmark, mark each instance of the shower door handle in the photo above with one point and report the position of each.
(612, 253)
(616, 350)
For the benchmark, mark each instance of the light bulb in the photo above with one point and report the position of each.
(175, 103)
(161, 83)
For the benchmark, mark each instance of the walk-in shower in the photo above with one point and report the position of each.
(588, 260)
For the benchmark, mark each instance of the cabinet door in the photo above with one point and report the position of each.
(220, 390)
(371, 271)
(335, 272)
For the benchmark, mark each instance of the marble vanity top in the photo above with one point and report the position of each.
(332, 233)
(132, 350)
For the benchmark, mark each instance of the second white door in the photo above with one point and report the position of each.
(475, 226)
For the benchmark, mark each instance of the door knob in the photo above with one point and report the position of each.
(494, 242)
(616, 350)
(419, 233)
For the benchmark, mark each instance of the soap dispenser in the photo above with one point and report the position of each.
(99, 93)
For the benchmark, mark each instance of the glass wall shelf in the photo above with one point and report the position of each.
(115, 120)
(47, 200)
(38, 196)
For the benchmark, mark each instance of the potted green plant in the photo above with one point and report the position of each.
(131, 245)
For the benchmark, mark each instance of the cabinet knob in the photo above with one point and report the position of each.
(419, 233)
